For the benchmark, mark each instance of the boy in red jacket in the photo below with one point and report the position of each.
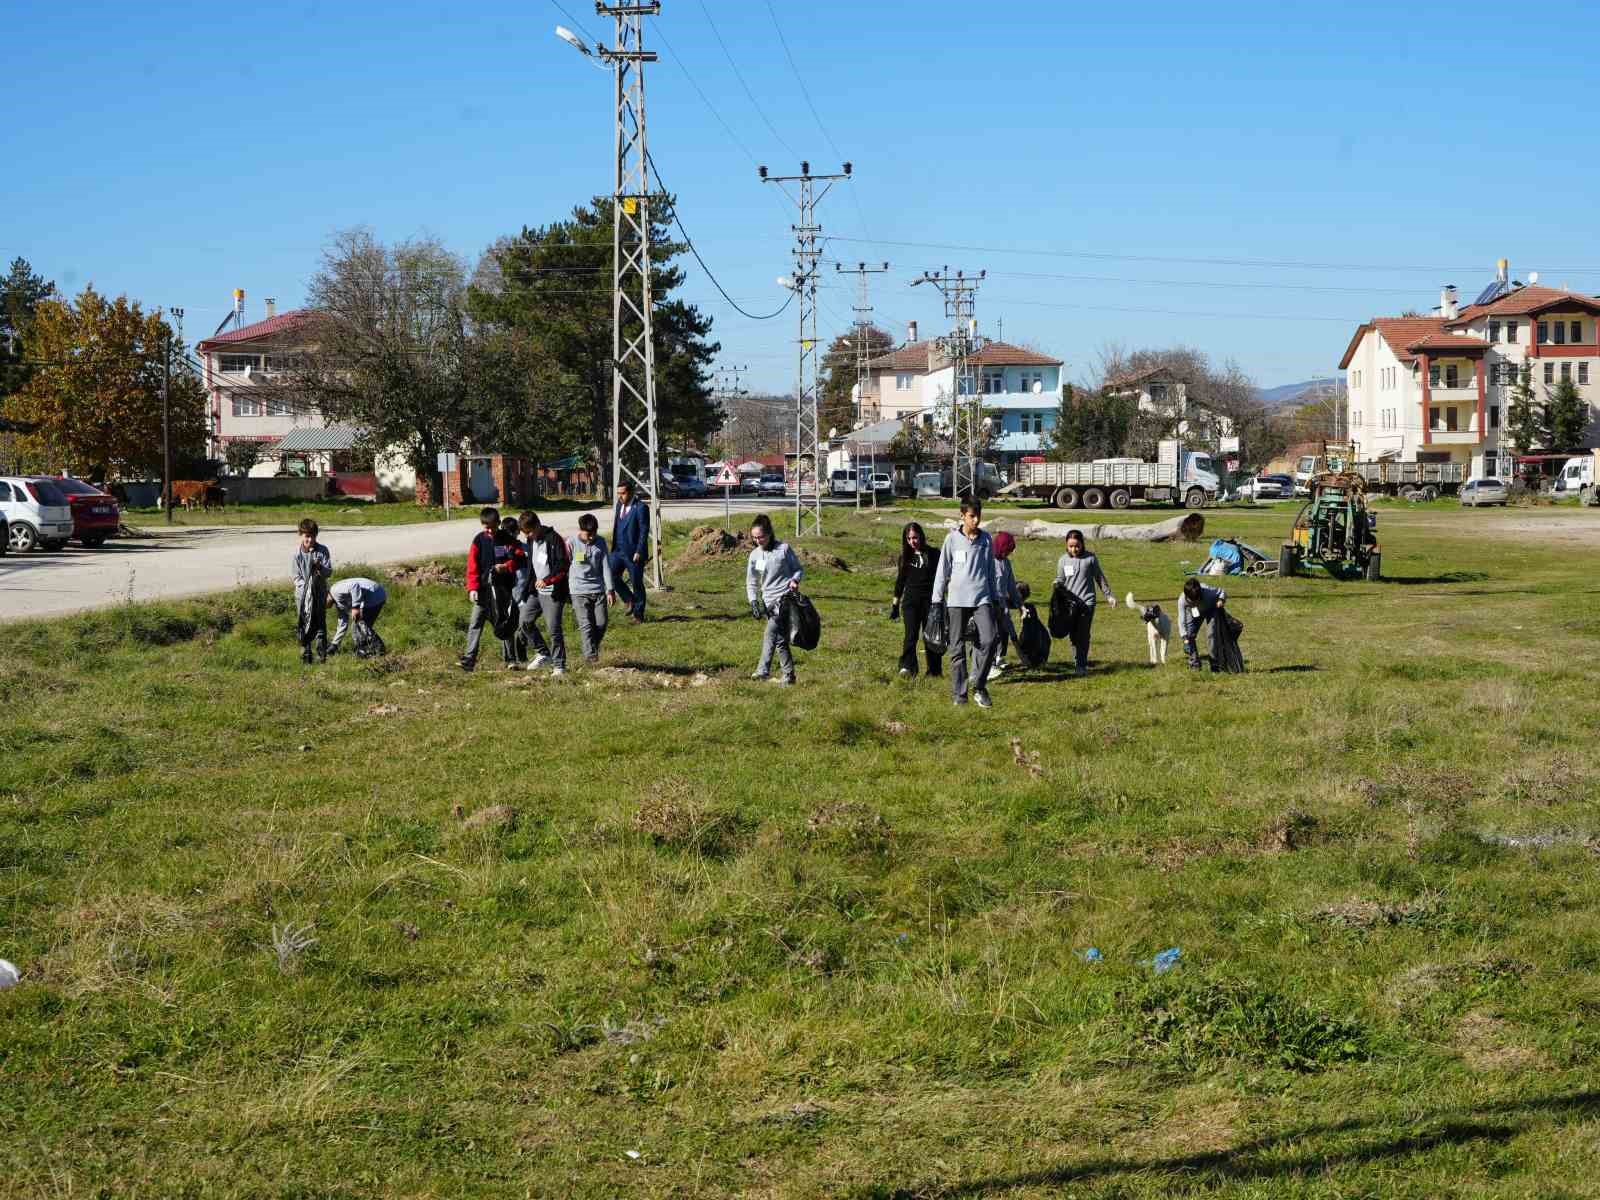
(496, 565)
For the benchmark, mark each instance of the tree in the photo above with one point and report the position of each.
(95, 398)
(1092, 424)
(1524, 419)
(755, 426)
(549, 288)
(20, 294)
(242, 456)
(1568, 416)
(835, 409)
(913, 444)
(393, 354)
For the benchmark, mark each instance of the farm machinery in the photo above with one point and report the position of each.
(1334, 529)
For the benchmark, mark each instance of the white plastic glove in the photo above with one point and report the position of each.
(474, 596)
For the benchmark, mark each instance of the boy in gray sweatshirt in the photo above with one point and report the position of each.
(772, 574)
(312, 565)
(590, 582)
(545, 593)
(964, 583)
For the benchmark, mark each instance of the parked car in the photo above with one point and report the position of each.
(842, 483)
(95, 515)
(1476, 492)
(883, 483)
(1269, 487)
(670, 490)
(750, 485)
(772, 485)
(37, 511)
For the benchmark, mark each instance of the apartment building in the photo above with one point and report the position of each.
(1021, 390)
(1437, 388)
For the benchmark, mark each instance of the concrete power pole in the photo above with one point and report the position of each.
(807, 516)
(959, 345)
(863, 311)
(634, 452)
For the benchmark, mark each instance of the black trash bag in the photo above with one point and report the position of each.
(1033, 640)
(936, 630)
(805, 623)
(1064, 608)
(502, 607)
(1226, 657)
(367, 642)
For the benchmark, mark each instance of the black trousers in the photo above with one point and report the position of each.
(1082, 624)
(914, 611)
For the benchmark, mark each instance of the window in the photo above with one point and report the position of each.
(1583, 372)
(1491, 464)
(1566, 372)
(1541, 332)
(994, 383)
(245, 405)
(1038, 422)
(1494, 331)
(1503, 373)
(1577, 332)
(5, 491)
(238, 364)
(1451, 379)
(902, 383)
(1433, 376)
(1450, 419)
(1549, 372)
(279, 407)
(1511, 331)
(1494, 416)
(927, 420)
(1158, 393)
(1559, 329)
(1434, 419)
(277, 363)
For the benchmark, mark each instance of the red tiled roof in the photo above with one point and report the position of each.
(1004, 354)
(1533, 298)
(261, 329)
(1446, 343)
(1399, 332)
(914, 357)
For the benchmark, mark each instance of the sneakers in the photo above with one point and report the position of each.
(783, 680)
(981, 699)
(905, 673)
(591, 658)
(1079, 672)
(998, 667)
(513, 665)
(467, 664)
(959, 701)
(761, 675)
(557, 671)
(538, 661)
(305, 655)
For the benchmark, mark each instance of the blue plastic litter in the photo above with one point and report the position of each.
(1165, 961)
(1091, 955)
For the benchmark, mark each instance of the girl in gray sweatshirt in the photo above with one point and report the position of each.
(772, 575)
(1078, 573)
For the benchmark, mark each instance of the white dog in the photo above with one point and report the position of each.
(1157, 628)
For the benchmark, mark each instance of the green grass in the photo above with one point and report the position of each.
(823, 940)
(330, 514)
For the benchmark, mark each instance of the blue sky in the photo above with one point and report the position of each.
(1144, 176)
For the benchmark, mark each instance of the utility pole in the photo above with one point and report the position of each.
(807, 517)
(166, 420)
(863, 311)
(728, 385)
(959, 345)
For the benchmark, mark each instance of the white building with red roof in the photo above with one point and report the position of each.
(1020, 387)
(1438, 388)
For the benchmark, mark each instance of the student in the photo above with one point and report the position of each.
(590, 581)
(1007, 596)
(358, 601)
(630, 549)
(494, 561)
(545, 593)
(772, 574)
(913, 594)
(1197, 604)
(1079, 573)
(312, 565)
(965, 585)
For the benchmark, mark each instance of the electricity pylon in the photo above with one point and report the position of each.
(863, 311)
(959, 345)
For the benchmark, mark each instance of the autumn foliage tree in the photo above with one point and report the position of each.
(94, 398)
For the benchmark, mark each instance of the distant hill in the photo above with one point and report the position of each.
(1288, 396)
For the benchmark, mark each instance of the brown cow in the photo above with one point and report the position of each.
(196, 493)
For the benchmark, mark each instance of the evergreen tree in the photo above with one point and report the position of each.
(1568, 417)
(1062, 441)
(20, 294)
(1523, 414)
(834, 407)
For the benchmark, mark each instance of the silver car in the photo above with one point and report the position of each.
(1475, 492)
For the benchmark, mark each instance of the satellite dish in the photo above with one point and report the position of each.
(1038, 386)
(247, 370)
(1533, 277)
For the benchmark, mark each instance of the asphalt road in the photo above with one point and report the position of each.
(169, 563)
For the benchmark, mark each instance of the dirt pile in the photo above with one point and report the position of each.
(710, 543)
(417, 574)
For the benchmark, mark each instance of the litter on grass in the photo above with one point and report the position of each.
(1165, 961)
(9, 975)
(1091, 955)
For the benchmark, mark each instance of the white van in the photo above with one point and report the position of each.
(37, 511)
(1576, 478)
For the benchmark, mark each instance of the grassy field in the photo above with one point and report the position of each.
(330, 514)
(386, 930)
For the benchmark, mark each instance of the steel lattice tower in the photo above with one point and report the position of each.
(959, 345)
(863, 311)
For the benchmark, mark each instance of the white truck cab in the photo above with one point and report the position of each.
(1577, 477)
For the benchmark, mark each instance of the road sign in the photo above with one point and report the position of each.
(449, 462)
(727, 478)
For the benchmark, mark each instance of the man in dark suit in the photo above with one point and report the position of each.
(630, 548)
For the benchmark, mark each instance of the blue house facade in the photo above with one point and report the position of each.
(1021, 389)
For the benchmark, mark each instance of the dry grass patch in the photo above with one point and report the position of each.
(1485, 1044)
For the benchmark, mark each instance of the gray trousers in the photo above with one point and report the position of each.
(346, 619)
(528, 635)
(591, 616)
(482, 616)
(546, 605)
(982, 654)
(776, 638)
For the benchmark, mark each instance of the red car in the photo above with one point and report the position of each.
(95, 515)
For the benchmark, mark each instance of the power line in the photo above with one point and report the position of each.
(689, 241)
(581, 29)
(789, 54)
(754, 103)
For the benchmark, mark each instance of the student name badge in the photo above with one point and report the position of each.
(959, 558)
(583, 556)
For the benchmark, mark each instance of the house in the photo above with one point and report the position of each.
(1020, 389)
(1438, 388)
(240, 368)
(1164, 392)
